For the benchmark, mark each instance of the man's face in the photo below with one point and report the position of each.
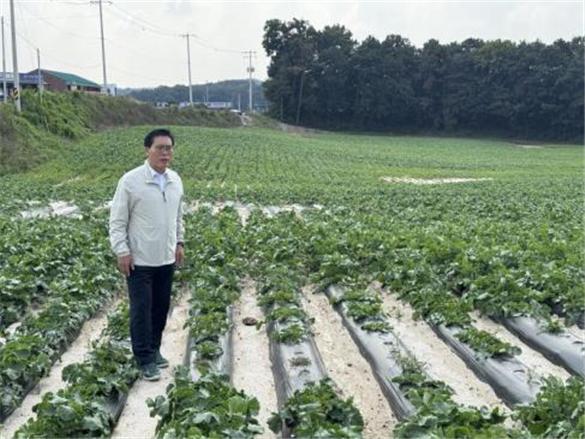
(160, 153)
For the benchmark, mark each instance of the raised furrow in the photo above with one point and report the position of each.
(90, 332)
(30, 352)
(252, 368)
(97, 388)
(135, 421)
(309, 401)
(218, 361)
(347, 367)
(295, 365)
(511, 379)
(563, 349)
(529, 356)
(204, 380)
(382, 350)
(439, 361)
(414, 396)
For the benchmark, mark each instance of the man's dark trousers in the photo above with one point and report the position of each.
(149, 289)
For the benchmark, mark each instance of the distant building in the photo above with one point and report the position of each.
(27, 80)
(110, 89)
(218, 105)
(61, 81)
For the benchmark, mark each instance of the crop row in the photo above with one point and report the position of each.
(201, 402)
(36, 256)
(283, 253)
(310, 404)
(75, 294)
(226, 411)
(431, 399)
(96, 388)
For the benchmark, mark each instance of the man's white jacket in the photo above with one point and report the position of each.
(146, 221)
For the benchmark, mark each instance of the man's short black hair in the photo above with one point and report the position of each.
(156, 133)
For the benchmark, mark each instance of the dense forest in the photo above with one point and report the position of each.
(327, 79)
(222, 91)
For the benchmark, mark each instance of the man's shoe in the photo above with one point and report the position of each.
(150, 372)
(161, 361)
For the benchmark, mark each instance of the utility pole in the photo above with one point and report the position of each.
(250, 70)
(189, 68)
(39, 74)
(4, 87)
(105, 78)
(15, 59)
(281, 108)
(207, 92)
(300, 97)
(103, 49)
(239, 102)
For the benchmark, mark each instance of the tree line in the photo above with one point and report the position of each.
(327, 79)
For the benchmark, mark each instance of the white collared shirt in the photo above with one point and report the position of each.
(160, 179)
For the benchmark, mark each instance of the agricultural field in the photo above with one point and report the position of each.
(336, 285)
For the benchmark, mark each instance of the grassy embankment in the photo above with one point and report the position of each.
(47, 126)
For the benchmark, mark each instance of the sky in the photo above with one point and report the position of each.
(144, 46)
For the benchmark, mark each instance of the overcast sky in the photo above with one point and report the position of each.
(144, 49)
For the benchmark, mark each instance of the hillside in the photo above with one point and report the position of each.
(46, 125)
(222, 91)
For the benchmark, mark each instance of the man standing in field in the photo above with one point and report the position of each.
(146, 234)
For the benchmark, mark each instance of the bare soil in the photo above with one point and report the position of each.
(252, 368)
(345, 364)
(135, 421)
(530, 357)
(440, 362)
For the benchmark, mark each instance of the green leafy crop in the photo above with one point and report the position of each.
(317, 411)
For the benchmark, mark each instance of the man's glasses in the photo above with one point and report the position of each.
(161, 148)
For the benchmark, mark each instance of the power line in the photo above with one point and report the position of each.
(20, 17)
(157, 30)
(146, 25)
(56, 27)
(140, 75)
(72, 2)
(35, 46)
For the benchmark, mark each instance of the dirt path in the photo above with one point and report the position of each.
(344, 364)
(135, 421)
(295, 129)
(530, 357)
(252, 368)
(440, 362)
(90, 331)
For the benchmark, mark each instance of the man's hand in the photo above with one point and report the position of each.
(179, 255)
(125, 264)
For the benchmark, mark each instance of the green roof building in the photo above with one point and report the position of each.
(61, 81)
